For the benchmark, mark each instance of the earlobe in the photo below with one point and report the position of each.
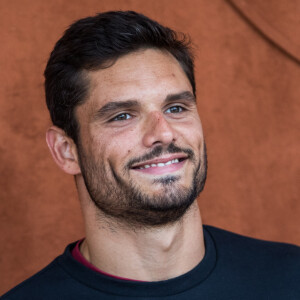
(63, 150)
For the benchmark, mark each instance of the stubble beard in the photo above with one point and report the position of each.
(124, 202)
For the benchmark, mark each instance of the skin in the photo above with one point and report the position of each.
(113, 137)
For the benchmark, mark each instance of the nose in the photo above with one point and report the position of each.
(158, 130)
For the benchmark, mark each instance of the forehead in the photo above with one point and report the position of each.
(145, 74)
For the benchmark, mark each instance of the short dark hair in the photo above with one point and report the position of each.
(97, 42)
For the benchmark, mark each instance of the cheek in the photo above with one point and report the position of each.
(118, 147)
(191, 132)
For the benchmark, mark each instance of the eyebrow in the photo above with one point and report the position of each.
(186, 95)
(112, 106)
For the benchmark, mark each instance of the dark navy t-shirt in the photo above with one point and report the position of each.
(234, 267)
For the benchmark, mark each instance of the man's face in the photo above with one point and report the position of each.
(141, 146)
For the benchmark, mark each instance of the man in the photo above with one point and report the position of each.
(121, 93)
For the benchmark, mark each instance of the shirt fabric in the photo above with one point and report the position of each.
(233, 267)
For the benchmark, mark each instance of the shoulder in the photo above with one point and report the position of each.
(273, 261)
(46, 282)
(234, 242)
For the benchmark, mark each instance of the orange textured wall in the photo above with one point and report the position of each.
(248, 77)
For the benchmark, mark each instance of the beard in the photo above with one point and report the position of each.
(125, 202)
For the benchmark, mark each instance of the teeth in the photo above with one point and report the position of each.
(173, 161)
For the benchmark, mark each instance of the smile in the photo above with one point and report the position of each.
(162, 165)
(159, 165)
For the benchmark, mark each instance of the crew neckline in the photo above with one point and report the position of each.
(80, 258)
(120, 287)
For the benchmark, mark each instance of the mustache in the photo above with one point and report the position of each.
(158, 151)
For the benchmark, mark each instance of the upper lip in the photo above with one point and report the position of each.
(162, 159)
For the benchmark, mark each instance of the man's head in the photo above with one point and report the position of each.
(126, 117)
(95, 43)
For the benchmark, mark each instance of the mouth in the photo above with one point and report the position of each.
(162, 165)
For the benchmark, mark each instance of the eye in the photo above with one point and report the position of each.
(175, 109)
(121, 117)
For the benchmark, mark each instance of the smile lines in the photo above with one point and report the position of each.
(173, 161)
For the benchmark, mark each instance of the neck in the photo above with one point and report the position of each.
(151, 254)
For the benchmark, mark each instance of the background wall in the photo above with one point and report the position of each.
(248, 77)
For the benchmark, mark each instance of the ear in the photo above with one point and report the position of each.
(63, 150)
